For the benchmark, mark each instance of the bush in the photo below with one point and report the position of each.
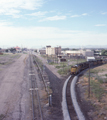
(97, 89)
(61, 72)
(58, 67)
(64, 71)
(93, 71)
(106, 75)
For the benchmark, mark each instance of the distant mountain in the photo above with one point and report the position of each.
(86, 47)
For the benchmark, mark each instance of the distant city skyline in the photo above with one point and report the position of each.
(70, 47)
(37, 23)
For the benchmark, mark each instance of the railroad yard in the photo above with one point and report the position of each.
(29, 92)
(53, 60)
(15, 87)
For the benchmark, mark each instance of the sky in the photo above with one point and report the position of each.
(38, 23)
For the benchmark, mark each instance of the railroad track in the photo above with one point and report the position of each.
(42, 77)
(36, 104)
(70, 106)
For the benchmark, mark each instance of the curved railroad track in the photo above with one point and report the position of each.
(70, 107)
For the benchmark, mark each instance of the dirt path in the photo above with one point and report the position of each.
(50, 67)
(56, 84)
(14, 91)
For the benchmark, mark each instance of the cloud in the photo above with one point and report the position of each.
(38, 13)
(100, 25)
(104, 13)
(37, 36)
(4, 23)
(75, 16)
(54, 18)
(84, 14)
(53, 11)
(14, 13)
(14, 7)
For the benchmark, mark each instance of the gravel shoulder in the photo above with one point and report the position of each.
(56, 84)
(14, 90)
(50, 67)
(94, 106)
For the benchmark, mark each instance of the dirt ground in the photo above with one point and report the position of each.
(56, 84)
(15, 101)
(91, 106)
(95, 105)
(14, 87)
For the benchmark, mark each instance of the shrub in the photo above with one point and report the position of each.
(58, 67)
(106, 75)
(93, 71)
(96, 89)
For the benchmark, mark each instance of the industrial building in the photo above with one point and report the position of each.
(42, 51)
(53, 50)
(85, 53)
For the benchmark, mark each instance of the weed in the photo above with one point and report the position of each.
(44, 56)
(105, 80)
(4, 54)
(58, 67)
(52, 63)
(106, 75)
(61, 72)
(39, 62)
(2, 117)
(24, 52)
(15, 55)
(64, 71)
(100, 80)
(93, 71)
(97, 89)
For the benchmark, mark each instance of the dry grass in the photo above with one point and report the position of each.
(98, 96)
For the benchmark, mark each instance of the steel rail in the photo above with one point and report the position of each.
(74, 99)
(70, 106)
(64, 103)
(35, 90)
(33, 108)
(38, 97)
(46, 89)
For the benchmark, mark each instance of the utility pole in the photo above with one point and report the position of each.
(63, 67)
(57, 54)
(77, 58)
(89, 83)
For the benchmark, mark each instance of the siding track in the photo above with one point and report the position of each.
(35, 98)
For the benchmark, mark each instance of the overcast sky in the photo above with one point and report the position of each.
(37, 23)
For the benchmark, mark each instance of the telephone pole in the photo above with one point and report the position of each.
(57, 54)
(89, 83)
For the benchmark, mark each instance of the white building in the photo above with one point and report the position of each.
(90, 58)
(53, 50)
(87, 53)
(72, 52)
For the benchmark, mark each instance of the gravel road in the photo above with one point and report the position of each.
(56, 84)
(14, 91)
(50, 67)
